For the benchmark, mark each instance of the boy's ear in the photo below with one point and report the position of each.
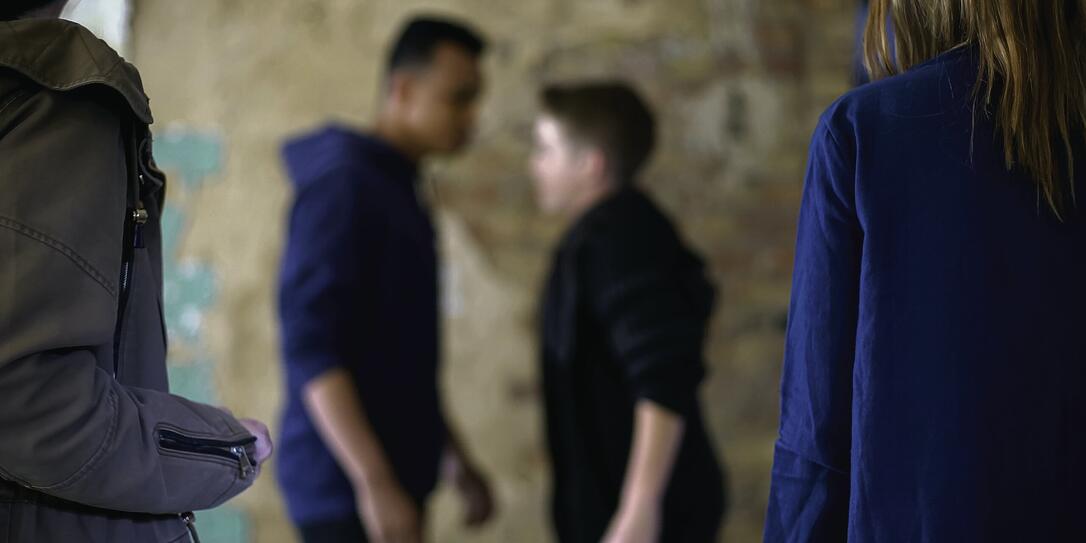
(595, 162)
(401, 85)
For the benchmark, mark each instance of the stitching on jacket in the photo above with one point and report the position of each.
(230, 487)
(46, 48)
(94, 59)
(90, 464)
(70, 85)
(136, 103)
(14, 96)
(234, 435)
(56, 245)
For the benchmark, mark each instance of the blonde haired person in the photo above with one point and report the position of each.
(936, 350)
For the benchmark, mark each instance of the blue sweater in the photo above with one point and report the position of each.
(934, 383)
(358, 290)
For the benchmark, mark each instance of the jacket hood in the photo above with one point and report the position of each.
(61, 55)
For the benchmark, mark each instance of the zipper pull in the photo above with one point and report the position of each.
(246, 464)
(139, 218)
(190, 522)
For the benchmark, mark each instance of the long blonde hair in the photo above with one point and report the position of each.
(1032, 60)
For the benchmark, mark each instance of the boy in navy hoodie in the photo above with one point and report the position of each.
(364, 437)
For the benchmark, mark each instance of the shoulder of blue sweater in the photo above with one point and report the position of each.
(915, 93)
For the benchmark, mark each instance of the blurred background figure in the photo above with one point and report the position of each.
(738, 86)
(935, 352)
(364, 433)
(623, 326)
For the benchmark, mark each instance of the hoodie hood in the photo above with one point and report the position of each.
(313, 156)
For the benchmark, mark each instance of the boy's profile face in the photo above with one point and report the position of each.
(561, 169)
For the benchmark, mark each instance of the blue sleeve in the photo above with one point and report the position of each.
(332, 233)
(809, 497)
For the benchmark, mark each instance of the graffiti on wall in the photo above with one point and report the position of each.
(192, 159)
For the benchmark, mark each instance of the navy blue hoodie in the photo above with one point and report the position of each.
(358, 290)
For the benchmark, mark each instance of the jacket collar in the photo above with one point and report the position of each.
(61, 55)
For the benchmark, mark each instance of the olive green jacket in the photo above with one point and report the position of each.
(92, 445)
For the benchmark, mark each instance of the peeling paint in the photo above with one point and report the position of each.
(193, 158)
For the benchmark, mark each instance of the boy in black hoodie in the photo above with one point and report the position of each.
(624, 319)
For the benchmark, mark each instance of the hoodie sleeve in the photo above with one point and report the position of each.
(69, 429)
(636, 290)
(809, 497)
(332, 231)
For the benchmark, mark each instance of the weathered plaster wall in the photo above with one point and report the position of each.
(738, 85)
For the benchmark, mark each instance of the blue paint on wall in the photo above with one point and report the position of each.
(192, 159)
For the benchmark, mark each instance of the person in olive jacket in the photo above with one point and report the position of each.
(92, 445)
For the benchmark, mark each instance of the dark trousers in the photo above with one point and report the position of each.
(336, 531)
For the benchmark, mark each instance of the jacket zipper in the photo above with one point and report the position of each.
(137, 218)
(230, 450)
(190, 522)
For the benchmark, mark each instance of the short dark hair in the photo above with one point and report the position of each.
(421, 36)
(13, 9)
(609, 115)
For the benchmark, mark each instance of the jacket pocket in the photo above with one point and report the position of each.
(12, 100)
(234, 452)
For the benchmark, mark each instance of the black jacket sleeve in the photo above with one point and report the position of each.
(643, 287)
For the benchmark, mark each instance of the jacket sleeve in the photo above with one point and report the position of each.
(656, 332)
(332, 231)
(69, 429)
(809, 496)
